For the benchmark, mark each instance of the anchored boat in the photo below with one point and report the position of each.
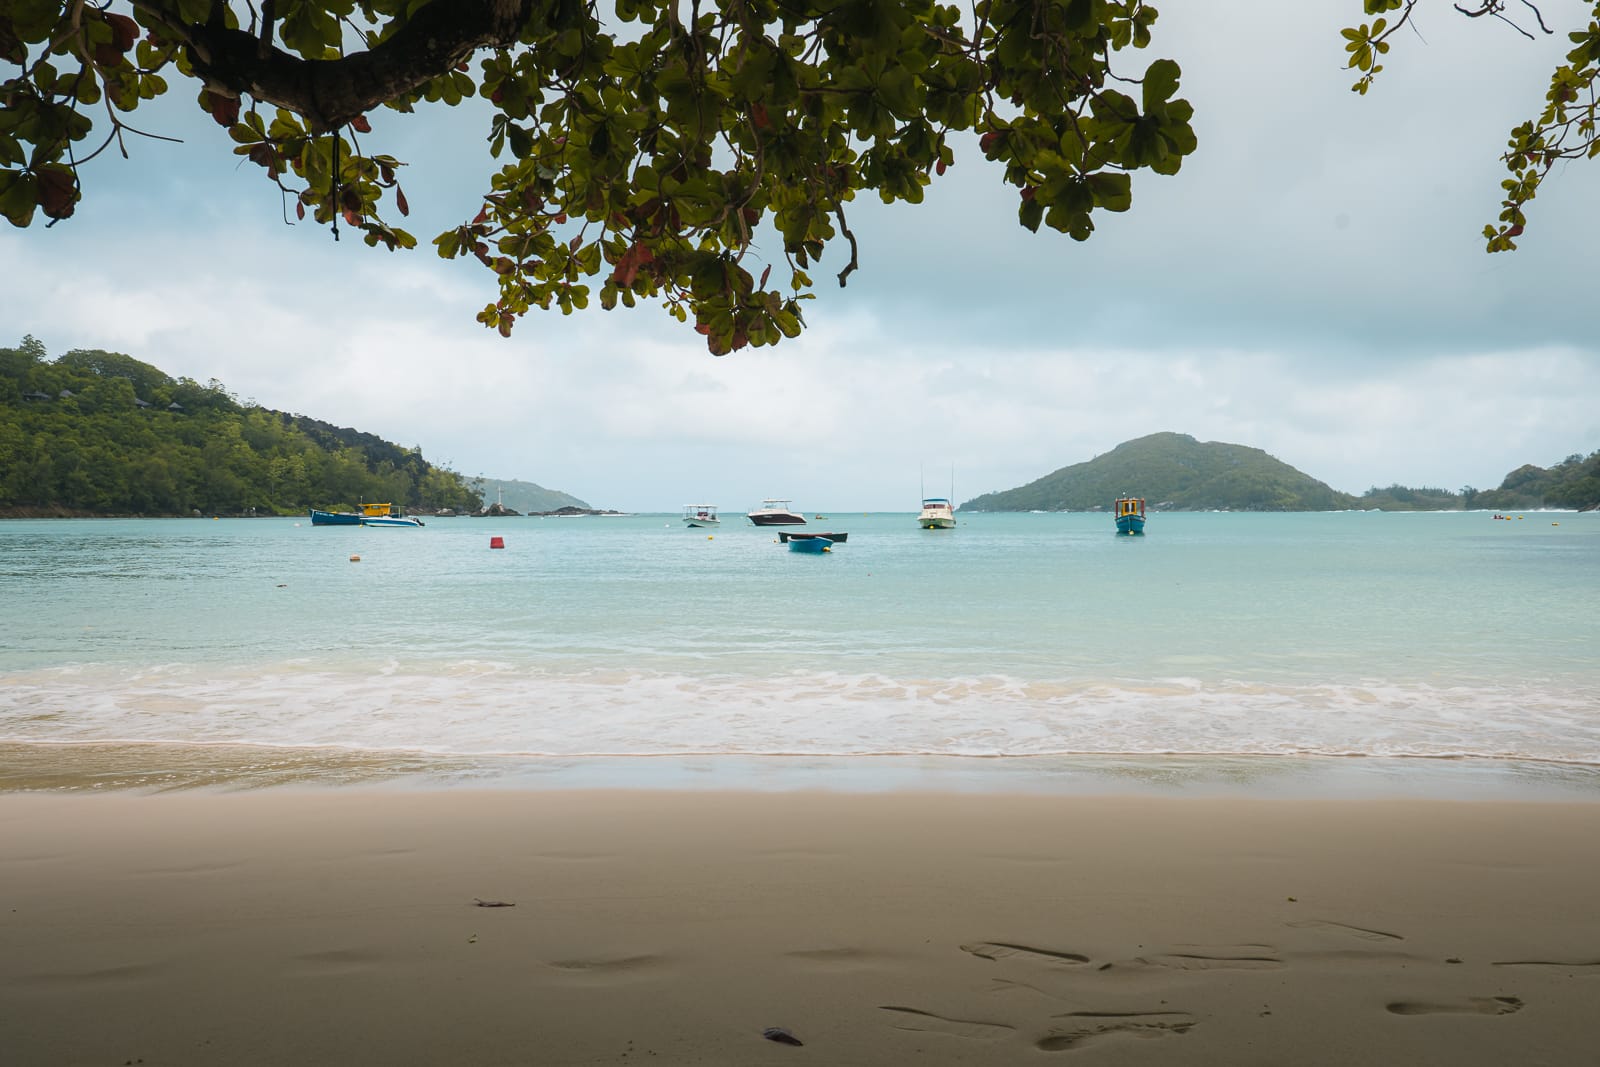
(1129, 511)
(369, 515)
(700, 515)
(774, 512)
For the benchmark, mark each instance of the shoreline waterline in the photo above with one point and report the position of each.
(154, 767)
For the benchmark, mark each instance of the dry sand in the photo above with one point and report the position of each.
(282, 927)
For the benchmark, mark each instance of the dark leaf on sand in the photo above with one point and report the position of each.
(780, 1035)
(480, 902)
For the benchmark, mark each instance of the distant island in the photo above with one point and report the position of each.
(526, 498)
(1174, 472)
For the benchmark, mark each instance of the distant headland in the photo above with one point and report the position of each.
(1175, 472)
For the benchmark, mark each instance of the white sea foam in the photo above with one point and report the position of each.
(483, 708)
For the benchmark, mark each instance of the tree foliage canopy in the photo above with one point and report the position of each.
(641, 148)
(1565, 126)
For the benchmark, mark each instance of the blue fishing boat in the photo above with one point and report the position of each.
(810, 544)
(334, 518)
(1130, 515)
(789, 535)
(369, 515)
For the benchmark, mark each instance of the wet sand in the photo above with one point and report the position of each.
(282, 926)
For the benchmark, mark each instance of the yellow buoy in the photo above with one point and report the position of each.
(710, 538)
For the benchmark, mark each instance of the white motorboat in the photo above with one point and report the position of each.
(775, 512)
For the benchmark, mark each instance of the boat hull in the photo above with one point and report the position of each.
(776, 518)
(1130, 524)
(334, 518)
(810, 544)
(937, 523)
(789, 537)
(391, 521)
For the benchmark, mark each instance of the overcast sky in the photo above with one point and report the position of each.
(1311, 283)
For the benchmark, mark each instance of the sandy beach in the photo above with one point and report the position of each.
(345, 927)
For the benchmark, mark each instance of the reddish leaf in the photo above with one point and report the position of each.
(764, 276)
(758, 114)
(400, 201)
(261, 154)
(58, 193)
(988, 142)
(224, 109)
(627, 268)
(1027, 192)
(124, 31)
(352, 216)
(482, 215)
(938, 168)
(300, 209)
(360, 124)
(107, 55)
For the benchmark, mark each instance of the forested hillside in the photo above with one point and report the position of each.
(1174, 471)
(101, 433)
(1572, 483)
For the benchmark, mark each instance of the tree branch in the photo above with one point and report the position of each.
(328, 93)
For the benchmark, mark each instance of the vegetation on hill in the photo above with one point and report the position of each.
(101, 433)
(1572, 483)
(526, 497)
(1175, 472)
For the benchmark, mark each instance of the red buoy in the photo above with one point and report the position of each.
(497, 542)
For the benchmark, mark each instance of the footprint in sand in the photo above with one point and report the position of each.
(999, 950)
(913, 1019)
(1331, 927)
(1226, 960)
(1464, 1006)
(1085, 1026)
(1591, 966)
(622, 965)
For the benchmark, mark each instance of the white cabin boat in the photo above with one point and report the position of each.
(700, 515)
(936, 514)
(774, 512)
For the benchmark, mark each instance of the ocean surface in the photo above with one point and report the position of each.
(1036, 650)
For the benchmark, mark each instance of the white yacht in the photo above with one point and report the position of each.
(700, 515)
(775, 512)
(937, 514)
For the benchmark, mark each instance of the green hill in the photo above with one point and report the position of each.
(1572, 483)
(1175, 472)
(101, 433)
(525, 497)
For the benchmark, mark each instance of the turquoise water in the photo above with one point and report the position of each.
(595, 640)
